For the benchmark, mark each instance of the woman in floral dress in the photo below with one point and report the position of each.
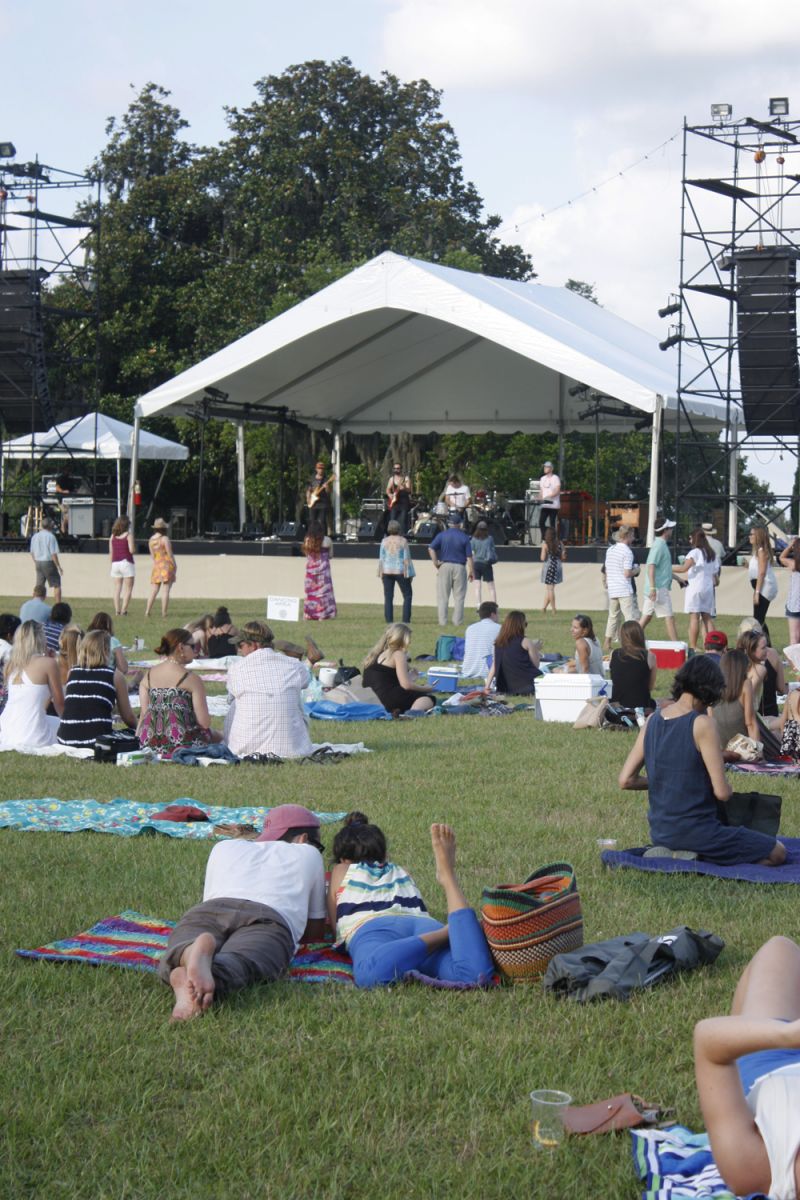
(173, 700)
(320, 602)
(164, 569)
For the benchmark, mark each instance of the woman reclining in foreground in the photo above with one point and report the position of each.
(377, 912)
(680, 749)
(748, 1076)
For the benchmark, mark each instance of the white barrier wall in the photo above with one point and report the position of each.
(221, 578)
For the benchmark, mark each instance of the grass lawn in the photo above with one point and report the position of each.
(304, 1091)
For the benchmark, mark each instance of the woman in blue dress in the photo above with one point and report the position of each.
(680, 750)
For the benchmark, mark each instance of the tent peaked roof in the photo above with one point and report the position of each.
(400, 344)
(76, 439)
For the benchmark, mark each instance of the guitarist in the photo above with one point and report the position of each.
(398, 495)
(318, 498)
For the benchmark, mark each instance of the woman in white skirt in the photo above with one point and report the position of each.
(121, 547)
(701, 567)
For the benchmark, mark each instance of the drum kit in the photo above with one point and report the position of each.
(504, 517)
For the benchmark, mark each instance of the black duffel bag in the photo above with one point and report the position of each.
(107, 748)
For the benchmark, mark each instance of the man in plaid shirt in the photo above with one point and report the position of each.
(266, 710)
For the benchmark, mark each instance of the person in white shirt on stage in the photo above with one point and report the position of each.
(456, 494)
(550, 503)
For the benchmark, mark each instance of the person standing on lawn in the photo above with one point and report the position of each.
(261, 899)
(658, 581)
(44, 552)
(451, 554)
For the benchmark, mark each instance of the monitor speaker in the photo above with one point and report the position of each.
(766, 287)
(292, 531)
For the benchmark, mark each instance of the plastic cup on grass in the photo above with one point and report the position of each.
(547, 1125)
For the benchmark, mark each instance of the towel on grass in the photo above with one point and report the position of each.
(134, 940)
(127, 817)
(765, 768)
(788, 872)
(326, 710)
(675, 1162)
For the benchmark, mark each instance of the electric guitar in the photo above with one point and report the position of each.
(397, 488)
(318, 490)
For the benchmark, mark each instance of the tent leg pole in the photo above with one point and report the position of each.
(655, 449)
(240, 473)
(733, 488)
(154, 497)
(137, 428)
(337, 485)
(119, 490)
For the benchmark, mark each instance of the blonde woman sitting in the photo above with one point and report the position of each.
(93, 691)
(33, 683)
(387, 672)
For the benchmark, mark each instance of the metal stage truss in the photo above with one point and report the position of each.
(49, 305)
(735, 312)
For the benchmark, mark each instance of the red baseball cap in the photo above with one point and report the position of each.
(716, 640)
(285, 817)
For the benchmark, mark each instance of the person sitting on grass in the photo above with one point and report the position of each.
(515, 665)
(387, 672)
(747, 1066)
(633, 669)
(380, 917)
(33, 682)
(60, 617)
(680, 749)
(173, 700)
(92, 692)
(261, 899)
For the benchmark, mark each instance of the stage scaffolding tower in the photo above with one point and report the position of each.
(49, 300)
(734, 315)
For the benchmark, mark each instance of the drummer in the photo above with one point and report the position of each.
(456, 494)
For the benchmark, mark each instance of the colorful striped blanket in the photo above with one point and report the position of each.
(127, 818)
(676, 1163)
(133, 940)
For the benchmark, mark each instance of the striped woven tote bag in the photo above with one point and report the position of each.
(527, 924)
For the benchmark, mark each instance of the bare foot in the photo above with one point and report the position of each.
(185, 1005)
(197, 960)
(443, 841)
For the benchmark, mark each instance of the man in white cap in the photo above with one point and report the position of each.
(658, 581)
(714, 542)
(621, 569)
(261, 899)
(550, 503)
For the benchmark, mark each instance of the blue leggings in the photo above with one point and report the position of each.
(385, 948)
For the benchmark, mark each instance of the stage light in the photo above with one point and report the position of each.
(7, 149)
(779, 106)
(672, 340)
(578, 389)
(721, 112)
(673, 307)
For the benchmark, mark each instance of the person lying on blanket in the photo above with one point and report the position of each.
(748, 1076)
(379, 915)
(679, 747)
(260, 900)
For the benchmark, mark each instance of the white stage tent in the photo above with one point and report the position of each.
(404, 345)
(95, 434)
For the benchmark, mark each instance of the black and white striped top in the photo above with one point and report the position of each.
(89, 699)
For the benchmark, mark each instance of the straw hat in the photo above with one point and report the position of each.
(160, 524)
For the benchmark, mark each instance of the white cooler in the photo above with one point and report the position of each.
(561, 697)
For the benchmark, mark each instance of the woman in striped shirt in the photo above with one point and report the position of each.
(380, 917)
(93, 689)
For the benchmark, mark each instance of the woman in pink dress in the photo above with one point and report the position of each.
(320, 602)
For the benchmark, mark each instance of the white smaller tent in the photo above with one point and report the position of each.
(94, 434)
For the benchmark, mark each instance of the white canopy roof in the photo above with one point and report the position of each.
(76, 439)
(400, 344)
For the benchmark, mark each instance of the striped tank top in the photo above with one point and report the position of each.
(374, 890)
(89, 699)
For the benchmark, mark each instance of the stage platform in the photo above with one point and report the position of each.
(269, 548)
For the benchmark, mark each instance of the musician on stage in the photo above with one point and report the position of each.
(550, 491)
(318, 498)
(456, 495)
(398, 496)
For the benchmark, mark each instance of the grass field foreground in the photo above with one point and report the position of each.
(302, 1091)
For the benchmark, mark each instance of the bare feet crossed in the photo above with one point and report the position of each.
(197, 959)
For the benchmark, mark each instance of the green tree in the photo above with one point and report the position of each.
(587, 290)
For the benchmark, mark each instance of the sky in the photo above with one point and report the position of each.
(571, 109)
